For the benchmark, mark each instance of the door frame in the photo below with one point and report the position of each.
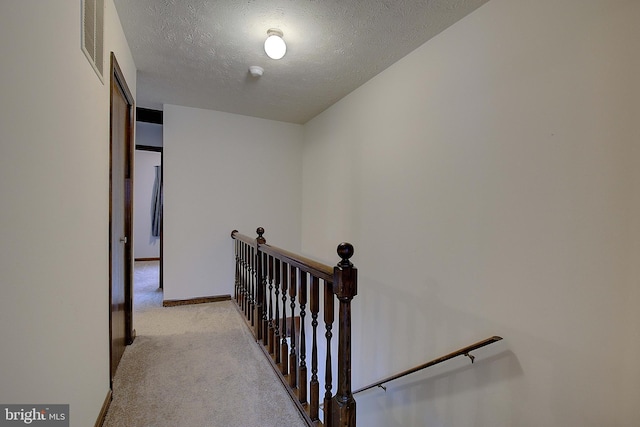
(117, 77)
(156, 150)
(148, 115)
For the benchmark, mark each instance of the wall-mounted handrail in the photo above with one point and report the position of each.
(465, 351)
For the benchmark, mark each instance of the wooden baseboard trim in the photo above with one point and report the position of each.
(105, 408)
(199, 300)
(147, 259)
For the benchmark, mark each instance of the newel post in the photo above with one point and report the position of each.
(260, 285)
(236, 254)
(345, 287)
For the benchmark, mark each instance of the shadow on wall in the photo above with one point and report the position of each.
(412, 326)
(415, 324)
(463, 394)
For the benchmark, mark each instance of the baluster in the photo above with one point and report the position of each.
(293, 356)
(284, 348)
(248, 285)
(254, 290)
(236, 276)
(259, 313)
(276, 332)
(265, 317)
(243, 270)
(314, 384)
(240, 267)
(245, 290)
(328, 322)
(302, 375)
(345, 279)
(270, 333)
(254, 276)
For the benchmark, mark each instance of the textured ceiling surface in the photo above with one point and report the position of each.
(197, 53)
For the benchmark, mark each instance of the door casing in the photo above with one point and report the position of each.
(121, 330)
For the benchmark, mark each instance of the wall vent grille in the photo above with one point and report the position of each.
(93, 34)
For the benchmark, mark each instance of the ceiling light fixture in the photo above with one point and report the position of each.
(274, 45)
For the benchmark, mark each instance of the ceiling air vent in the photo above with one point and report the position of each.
(93, 34)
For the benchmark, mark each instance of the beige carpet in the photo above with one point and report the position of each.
(146, 286)
(193, 366)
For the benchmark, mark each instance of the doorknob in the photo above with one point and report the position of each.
(123, 239)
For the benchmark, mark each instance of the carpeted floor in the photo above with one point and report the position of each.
(196, 366)
(146, 291)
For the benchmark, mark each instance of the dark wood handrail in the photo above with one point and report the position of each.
(320, 270)
(323, 271)
(243, 238)
(462, 352)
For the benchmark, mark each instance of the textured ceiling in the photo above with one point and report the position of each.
(197, 53)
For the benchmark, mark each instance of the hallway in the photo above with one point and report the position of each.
(194, 365)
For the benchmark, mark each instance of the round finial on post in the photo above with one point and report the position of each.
(260, 232)
(345, 251)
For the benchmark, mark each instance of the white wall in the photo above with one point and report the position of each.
(223, 172)
(144, 244)
(489, 183)
(54, 221)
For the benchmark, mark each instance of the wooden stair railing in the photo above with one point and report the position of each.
(270, 285)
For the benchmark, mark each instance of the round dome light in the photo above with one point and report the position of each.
(274, 45)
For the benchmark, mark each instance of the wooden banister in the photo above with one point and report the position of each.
(274, 288)
(315, 268)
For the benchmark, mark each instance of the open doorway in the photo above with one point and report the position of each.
(147, 280)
